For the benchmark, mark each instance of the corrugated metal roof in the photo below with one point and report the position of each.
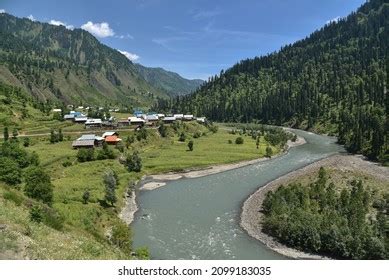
(83, 143)
(87, 137)
(169, 118)
(93, 121)
(109, 133)
(135, 119)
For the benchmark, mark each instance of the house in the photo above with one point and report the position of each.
(57, 110)
(178, 116)
(169, 119)
(89, 144)
(188, 117)
(112, 140)
(136, 121)
(138, 113)
(161, 116)
(68, 117)
(201, 120)
(76, 114)
(80, 119)
(90, 123)
(123, 123)
(109, 124)
(97, 140)
(152, 118)
(110, 133)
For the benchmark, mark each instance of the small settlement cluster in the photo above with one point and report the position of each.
(111, 137)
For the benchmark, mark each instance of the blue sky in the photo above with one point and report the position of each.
(195, 38)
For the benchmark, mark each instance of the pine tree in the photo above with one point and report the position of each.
(6, 134)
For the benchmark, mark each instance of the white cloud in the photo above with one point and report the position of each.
(59, 23)
(127, 36)
(101, 30)
(336, 19)
(2, 11)
(130, 56)
(31, 17)
(206, 14)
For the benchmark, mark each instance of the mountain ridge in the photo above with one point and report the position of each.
(334, 81)
(71, 66)
(173, 83)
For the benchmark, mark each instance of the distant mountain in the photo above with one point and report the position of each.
(335, 81)
(54, 63)
(170, 82)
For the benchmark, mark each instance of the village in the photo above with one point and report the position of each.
(108, 125)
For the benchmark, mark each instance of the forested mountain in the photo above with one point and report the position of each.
(170, 82)
(52, 62)
(334, 81)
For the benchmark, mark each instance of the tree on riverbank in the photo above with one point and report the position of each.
(110, 184)
(134, 162)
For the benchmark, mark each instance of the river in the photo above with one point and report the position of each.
(199, 218)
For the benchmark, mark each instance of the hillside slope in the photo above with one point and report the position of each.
(335, 81)
(171, 82)
(52, 62)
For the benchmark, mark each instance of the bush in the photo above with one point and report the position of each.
(142, 253)
(141, 134)
(38, 185)
(239, 141)
(53, 219)
(269, 152)
(120, 147)
(110, 183)
(182, 137)
(197, 134)
(134, 162)
(229, 141)
(10, 172)
(213, 128)
(190, 145)
(105, 153)
(26, 142)
(84, 155)
(67, 163)
(85, 197)
(121, 237)
(162, 129)
(36, 214)
(129, 140)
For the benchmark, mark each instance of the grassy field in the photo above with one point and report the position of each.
(208, 150)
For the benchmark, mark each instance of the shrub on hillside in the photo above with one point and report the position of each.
(10, 172)
(84, 155)
(38, 185)
(134, 162)
(239, 141)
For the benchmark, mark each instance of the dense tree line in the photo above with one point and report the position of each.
(320, 219)
(18, 166)
(334, 81)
